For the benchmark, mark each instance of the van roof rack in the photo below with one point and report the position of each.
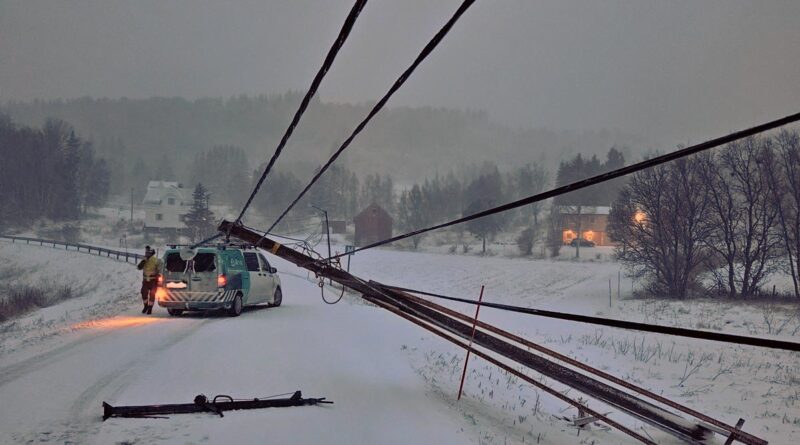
(221, 245)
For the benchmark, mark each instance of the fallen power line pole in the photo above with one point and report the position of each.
(495, 349)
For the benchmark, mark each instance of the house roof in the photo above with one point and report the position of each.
(373, 211)
(156, 190)
(586, 210)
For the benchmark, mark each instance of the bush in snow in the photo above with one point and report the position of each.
(21, 299)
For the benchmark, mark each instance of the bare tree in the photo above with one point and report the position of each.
(555, 225)
(742, 215)
(784, 175)
(530, 180)
(658, 220)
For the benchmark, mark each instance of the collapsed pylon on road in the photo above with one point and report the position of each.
(493, 345)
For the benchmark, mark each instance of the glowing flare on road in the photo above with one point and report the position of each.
(117, 322)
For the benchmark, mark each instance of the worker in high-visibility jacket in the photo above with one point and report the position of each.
(151, 269)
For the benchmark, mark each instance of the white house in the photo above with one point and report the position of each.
(165, 205)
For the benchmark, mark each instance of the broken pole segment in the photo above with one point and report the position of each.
(738, 426)
(201, 404)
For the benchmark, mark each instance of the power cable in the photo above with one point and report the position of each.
(332, 52)
(591, 181)
(680, 332)
(337, 45)
(397, 84)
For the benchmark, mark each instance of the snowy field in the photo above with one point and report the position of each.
(391, 381)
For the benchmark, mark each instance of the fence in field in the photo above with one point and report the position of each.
(94, 250)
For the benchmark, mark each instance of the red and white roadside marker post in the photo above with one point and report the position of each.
(466, 361)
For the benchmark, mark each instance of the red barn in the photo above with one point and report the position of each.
(372, 224)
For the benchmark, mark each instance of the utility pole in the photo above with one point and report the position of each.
(131, 205)
(327, 228)
(580, 236)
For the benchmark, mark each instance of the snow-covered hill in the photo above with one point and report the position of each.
(391, 382)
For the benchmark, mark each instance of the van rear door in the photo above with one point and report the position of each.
(202, 273)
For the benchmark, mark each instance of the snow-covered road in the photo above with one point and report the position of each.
(338, 352)
(391, 382)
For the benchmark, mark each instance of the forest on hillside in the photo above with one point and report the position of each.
(159, 138)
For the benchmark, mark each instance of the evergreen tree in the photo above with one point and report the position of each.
(99, 184)
(224, 170)
(200, 219)
(412, 212)
(379, 191)
(63, 164)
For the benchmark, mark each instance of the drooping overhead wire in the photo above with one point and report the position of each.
(591, 181)
(326, 65)
(378, 106)
(623, 324)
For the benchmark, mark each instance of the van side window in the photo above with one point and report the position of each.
(264, 262)
(251, 260)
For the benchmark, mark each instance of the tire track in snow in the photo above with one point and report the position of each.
(119, 377)
(17, 370)
(83, 417)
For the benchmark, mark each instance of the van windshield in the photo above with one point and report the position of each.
(203, 262)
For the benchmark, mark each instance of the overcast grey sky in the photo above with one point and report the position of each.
(674, 71)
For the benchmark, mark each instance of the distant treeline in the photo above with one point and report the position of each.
(159, 138)
(48, 172)
(343, 193)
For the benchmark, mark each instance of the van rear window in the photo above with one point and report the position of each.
(203, 262)
(175, 263)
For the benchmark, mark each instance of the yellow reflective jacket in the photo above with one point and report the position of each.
(150, 268)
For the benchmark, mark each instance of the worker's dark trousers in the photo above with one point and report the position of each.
(149, 292)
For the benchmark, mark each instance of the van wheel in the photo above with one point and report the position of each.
(175, 312)
(236, 306)
(278, 298)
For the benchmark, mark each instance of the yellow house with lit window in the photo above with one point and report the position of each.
(592, 222)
